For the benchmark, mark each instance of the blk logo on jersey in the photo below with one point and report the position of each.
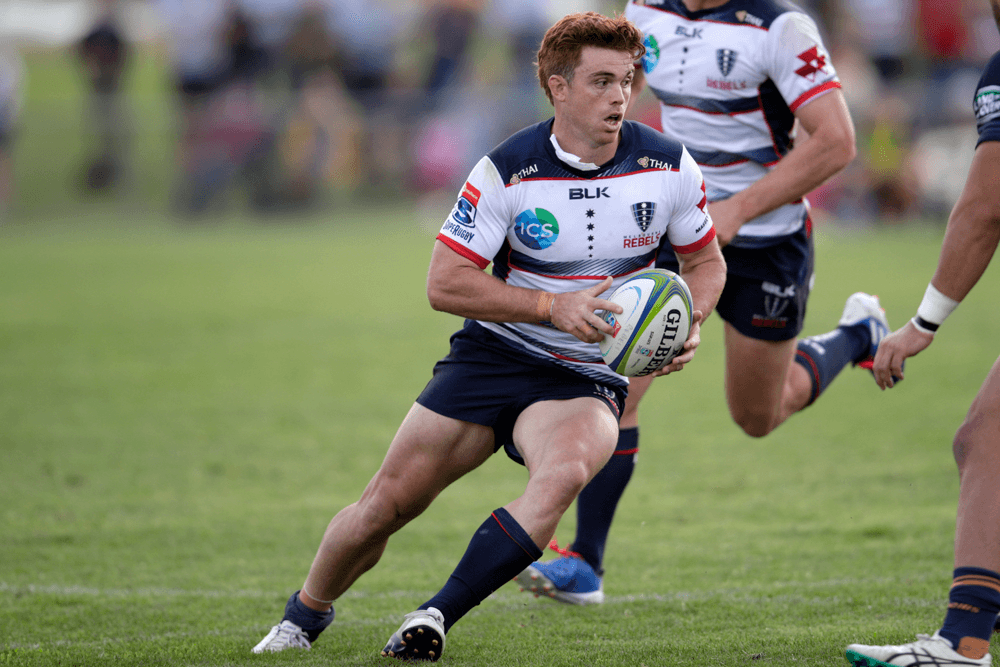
(585, 193)
(536, 229)
(726, 58)
(693, 33)
(464, 212)
(643, 213)
(652, 55)
(815, 62)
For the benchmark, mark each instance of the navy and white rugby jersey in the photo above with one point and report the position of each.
(547, 225)
(986, 103)
(728, 80)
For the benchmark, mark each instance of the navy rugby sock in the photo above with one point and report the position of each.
(311, 621)
(595, 506)
(825, 355)
(973, 604)
(499, 550)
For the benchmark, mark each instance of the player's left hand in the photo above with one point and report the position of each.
(576, 312)
(894, 349)
(690, 345)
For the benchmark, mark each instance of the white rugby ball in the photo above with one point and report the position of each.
(654, 325)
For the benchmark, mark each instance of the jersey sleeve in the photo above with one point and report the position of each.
(690, 228)
(798, 63)
(477, 225)
(986, 104)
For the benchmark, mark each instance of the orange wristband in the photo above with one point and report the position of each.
(543, 309)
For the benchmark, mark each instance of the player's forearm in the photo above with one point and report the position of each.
(806, 167)
(705, 277)
(973, 232)
(476, 295)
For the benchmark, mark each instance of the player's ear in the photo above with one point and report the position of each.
(558, 86)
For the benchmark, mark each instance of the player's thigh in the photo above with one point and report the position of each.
(637, 388)
(755, 371)
(981, 428)
(576, 436)
(428, 453)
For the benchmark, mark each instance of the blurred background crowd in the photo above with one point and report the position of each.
(275, 106)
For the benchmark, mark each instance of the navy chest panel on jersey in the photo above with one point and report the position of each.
(758, 13)
(529, 154)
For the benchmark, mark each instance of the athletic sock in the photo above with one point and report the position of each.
(973, 604)
(311, 621)
(825, 355)
(499, 550)
(595, 506)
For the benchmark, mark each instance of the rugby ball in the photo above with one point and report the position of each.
(653, 326)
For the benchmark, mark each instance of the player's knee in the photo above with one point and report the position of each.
(755, 424)
(966, 440)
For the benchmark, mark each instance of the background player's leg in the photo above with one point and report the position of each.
(763, 386)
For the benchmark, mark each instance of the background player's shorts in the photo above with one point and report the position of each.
(766, 288)
(487, 381)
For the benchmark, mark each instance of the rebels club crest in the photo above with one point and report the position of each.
(725, 58)
(643, 214)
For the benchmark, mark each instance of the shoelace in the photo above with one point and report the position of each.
(292, 637)
(554, 545)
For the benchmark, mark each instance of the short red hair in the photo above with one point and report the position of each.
(563, 43)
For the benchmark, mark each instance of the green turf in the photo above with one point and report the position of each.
(184, 407)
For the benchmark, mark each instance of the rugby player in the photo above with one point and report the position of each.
(970, 241)
(562, 210)
(733, 77)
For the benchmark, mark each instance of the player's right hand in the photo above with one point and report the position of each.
(575, 312)
(895, 348)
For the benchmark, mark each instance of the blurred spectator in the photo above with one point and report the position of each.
(366, 37)
(11, 73)
(320, 131)
(884, 30)
(195, 36)
(451, 25)
(104, 53)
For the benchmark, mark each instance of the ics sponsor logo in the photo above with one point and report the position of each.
(652, 55)
(538, 229)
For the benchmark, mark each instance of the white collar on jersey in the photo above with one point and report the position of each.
(571, 159)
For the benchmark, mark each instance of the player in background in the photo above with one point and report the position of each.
(970, 241)
(565, 210)
(11, 75)
(732, 78)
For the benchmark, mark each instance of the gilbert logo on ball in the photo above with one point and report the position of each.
(653, 326)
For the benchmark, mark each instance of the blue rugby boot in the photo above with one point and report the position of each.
(568, 579)
(865, 310)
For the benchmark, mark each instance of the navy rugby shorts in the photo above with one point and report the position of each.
(766, 287)
(485, 380)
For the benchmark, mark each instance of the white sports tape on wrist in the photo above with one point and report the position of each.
(936, 307)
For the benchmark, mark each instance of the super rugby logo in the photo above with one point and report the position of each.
(537, 229)
(464, 212)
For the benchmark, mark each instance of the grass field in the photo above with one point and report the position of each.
(183, 408)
